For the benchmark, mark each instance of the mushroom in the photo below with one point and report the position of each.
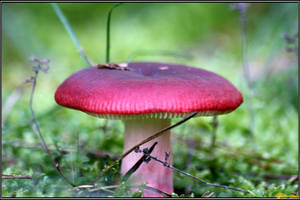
(145, 97)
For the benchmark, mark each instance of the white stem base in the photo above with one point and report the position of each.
(154, 173)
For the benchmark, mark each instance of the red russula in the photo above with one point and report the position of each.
(146, 97)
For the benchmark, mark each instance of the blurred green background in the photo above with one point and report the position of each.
(256, 146)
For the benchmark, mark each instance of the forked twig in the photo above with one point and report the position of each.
(166, 164)
(157, 134)
(144, 158)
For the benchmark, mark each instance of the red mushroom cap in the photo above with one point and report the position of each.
(149, 90)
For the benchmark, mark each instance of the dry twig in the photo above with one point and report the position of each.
(15, 176)
(159, 133)
(144, 158)
(166, 164)
(207, 194)
(106, 188)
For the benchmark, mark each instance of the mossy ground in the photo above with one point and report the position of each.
(259, 156)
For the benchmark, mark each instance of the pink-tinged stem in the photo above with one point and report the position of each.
(155, 174)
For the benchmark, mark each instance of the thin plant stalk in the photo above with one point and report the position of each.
(108, 32)
(15, 176)
(34, 121)
(69, 29)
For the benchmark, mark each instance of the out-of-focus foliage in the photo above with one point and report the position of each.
(205, 35)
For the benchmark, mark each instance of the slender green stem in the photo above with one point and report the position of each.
(68, 27)
(36, 128)
(108, 32)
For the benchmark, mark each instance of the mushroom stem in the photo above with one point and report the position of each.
(155, 174)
